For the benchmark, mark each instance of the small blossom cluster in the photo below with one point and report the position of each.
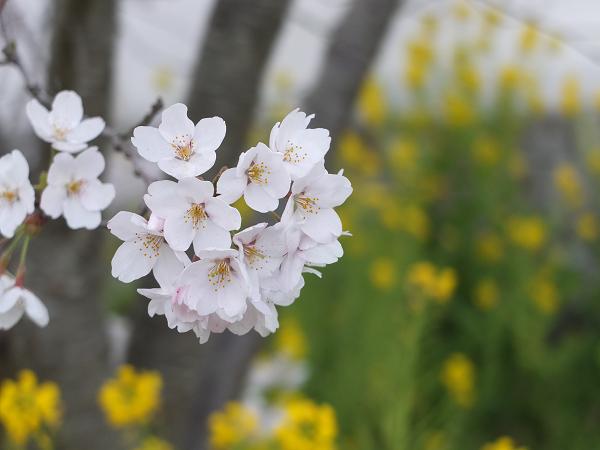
(230, 282)
(69, 188)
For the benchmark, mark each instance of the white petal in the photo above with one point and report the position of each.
(196, 190)
(175, 123)
(9, 299)
(209, 134)
(35, 309)
(150, 144)
(222, 214)
(179, 169)
(67, 110)
(79, 217)
(62, 169)
(68, 147)
(231, 186)
(167, 267)
(179, 233)
(323, 226)
(89, 164)
(126, 225)
(96, 196)
(211, 236)
(87, 130)
(10, 318)
(130, 263)
(39, 119)
(258, 198)
(10, 218)
(52, 201)
(293, 123)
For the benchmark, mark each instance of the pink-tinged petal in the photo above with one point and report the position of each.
(197, 191)
(211, 236)
(10, 318)
(130, 262)
(175, 123)
(323, 226)
(209, 134)
(86, 131)
(258, 199)
(67, 110)
(68, 147)
(96, 196)
(39, 118)
(167, 267)
(230, 187)
(179, 233)
(89, 164)
(150, 144)
(225, 216)
(126, 225)
(179, 169)
(62, 169)
(79, 217)
(35, 309)
(243, 326)
(52, 201)
(249, 234)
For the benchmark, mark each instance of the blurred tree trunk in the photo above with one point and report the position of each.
(65, 268)
(226, 82)
(350, 54)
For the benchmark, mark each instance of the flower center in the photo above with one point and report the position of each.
(220, 274)
(149, 244)
(59, 133)
(196, 214)
(183, 146)
(308, 204)
(253, 255)
(258, 173)
(9, 196)
(74, 187)
(293, 153)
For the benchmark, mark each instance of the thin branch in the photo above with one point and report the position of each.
(12, 58)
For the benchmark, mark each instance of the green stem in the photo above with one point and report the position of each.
(24, 249)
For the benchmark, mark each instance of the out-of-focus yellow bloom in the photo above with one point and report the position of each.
(566, 180)
(383, 273)
(290, 339)
(511, 77)
(429, 23)
(529, 38)
(435, 441)
(415, 74)
(458, 109)
(517, 166)
(28, 409)
(371, 103)
(434, 283)
(154, 443)
(468, 77)
(503, 443)
(233, 425)
(544, 293)
(307, 426)
(420, 50)
(592, 159)
(416, 221)
(492, 17)
(486, 151)
(570, 102)
(489, 247)
(461, 10)
(356, 156)
(587, 227)
(458, 376)
(131, 398)
(486, 294)
(403, 155)
(527, 232)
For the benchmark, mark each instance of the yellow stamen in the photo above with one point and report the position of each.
(183, 146)
(149, 244)
(253, 256)
(59, 133)
(196, 214)
(308, 204)
(294, 154)
(258, 173)
(74, 187)
(220, 274)
(9, 196)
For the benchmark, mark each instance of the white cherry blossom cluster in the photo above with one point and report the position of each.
(209, 280)
(69, 188)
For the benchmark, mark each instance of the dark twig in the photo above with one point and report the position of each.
(218, 175)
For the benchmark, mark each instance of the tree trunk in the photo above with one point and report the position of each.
(352, 50)
(65, 267)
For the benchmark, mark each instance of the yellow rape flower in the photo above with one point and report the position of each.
(503, 443)
(438, 285)
(307, 426)
(566, 180)
(154, 443)
(131, 398)
(544, 293)
(511, 77)
(290, 339)
(486, 294)
(587, 227)
(527, 232)
(29, 409)
(489, 247)
(403, 155)
(486, 151)
(461, 10)
(529, 38)
(371, 103)
(570, 102)
(458, 376)
(233, 425)
(383, 273)
(458, 110)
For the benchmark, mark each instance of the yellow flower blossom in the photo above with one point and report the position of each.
(29, 409)
(131, 398)
(371, 103)
(458, 376)
(489, 247)
(503, 443)
(403, 155)
(511, 77)
(233, 425)
(544, 293)
(529, 38)
(290, 339)
(461, 10)
(486, 151)
(587, 227)
(527, 232)
(434, 283)
(492, 17)
(383, 273)
(486, 294)
(307, 426)
(458, 110)
(592, 160)
(566, 180)
(154, 443)
(570, 102)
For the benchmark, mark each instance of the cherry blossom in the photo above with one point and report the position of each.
(64, 126)
(16, 301)
(144, 249)
(192, 214)
(301, 147)
(16, 193)
(74, 190)
(181, 149)
(260, 176)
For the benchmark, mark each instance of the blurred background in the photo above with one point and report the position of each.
(465, 312)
